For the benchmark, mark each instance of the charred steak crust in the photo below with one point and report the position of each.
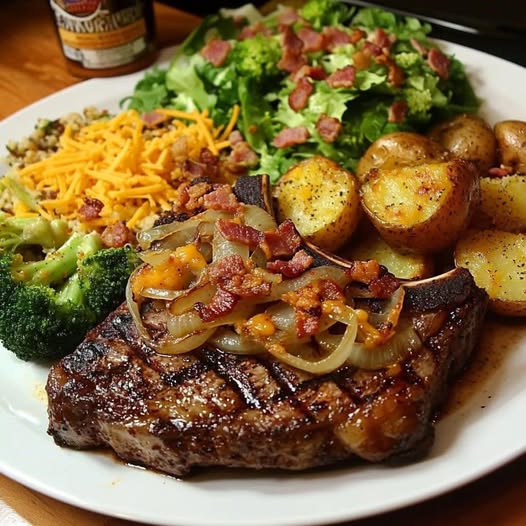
(209, 408)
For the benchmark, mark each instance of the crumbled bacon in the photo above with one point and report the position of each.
(116, 235)
(300, 262)
(288, 16)
(299, 96)
(283, 242)
(153, 118)
(335, 37)
(239, 277)
(216, 51)
(397, 111)
(439, 63)
(500, 171)
(238, 233)
(395, 74)
(292, 58)
(241, 157)
(381, 39)
(364, 271)
(253, 30)
(221, 198)
(357, 35)
(312, 72)
(312, 40)
(307, 303)
(372, 49)
(384, 286)
(192, 195)
(235, 137)
(221, 304)
(91, 209)
(328, 127)
(418, 46)
(290, 137)
(342, 78)
(361, 60)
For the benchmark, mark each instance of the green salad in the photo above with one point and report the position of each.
(325, 79)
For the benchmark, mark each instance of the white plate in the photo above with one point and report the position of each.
(470, 442)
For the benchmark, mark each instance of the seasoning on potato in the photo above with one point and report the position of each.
(511, 143)
(497, 261)
(322, 199)
(421, 209)
(468, 137)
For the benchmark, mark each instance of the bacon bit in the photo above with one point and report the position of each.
(288, 16)
(439, 63)
(342, 78)
(371, 49)
(235, 137)
(192, 168)
(299, 96)
(357, 35)
(194, 195)
(255, 29)
(384, 286)
(418, 46)
(243, 234)
(116, 235)
(291, 136)
(397, 111)
(221, 198)
(364, 271)
(221, 304)
(153, 118)
(239, 277)
(216, 51)
(312, 72)
(500, 171)
(312, 40)
(284, 242)
(307, 304)
(395, 74)
(241, 157)
(292, 58)
(335, 37)
(210, 162)
(361, 60)
(300, 262)
(382, 40)
(329, 128)
(90, 209)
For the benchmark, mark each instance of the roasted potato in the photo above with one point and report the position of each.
(370, 245)
(399, 149)
(322, 199)
(511, 144)
(502, 203)
(421, 209)
(467, 137)
(497, 261)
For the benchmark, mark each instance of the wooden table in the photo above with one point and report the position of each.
(31, 67)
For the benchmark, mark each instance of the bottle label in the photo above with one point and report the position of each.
(98, 36)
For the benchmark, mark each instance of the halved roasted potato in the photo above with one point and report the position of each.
(322, 199)
(399, 149)
(511, 144)
(502, 203)
(370, 245)
(497, 261)
(421, 209)
(468, 137)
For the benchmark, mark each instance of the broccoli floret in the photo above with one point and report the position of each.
(407, 60)
(17, 232)
(49, 305)
(419, 102)
(257, 58)
(326, 13)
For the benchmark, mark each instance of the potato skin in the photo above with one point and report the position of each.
(421, 209)
(497, 261)
(399, 149)
(322, 200)
(511, 143)
(468, 137)
(502, 203)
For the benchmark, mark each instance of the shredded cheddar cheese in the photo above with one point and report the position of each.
(134, 175)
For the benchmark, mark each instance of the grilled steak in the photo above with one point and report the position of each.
(209, 408)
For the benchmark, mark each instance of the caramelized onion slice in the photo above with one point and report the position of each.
(169, 345)
(336, 357)
(133, 307)
(259, 219)
(229, 341)
(394, 350)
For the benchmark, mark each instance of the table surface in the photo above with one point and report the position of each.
(31, 67)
